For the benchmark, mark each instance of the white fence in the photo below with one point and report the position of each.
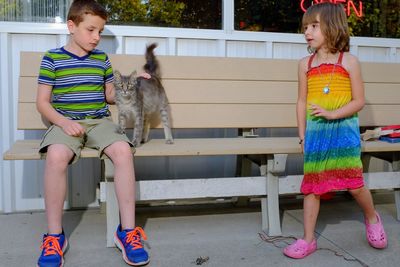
(21, 181)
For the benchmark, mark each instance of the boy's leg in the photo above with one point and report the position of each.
(55, 185)
(54, 243)
(127, 237)
(59, 149)
(121, 155)
(117, 147)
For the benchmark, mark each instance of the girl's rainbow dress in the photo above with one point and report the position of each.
(331, 147)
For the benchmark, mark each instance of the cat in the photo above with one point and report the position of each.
(139, 99)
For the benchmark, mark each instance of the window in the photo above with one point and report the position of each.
(378, 18)
(34, 10)
(165, 13)
(268, 16)
(368, 18)
(180, 13)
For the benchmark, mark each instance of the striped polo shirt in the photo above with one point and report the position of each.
(78, 82)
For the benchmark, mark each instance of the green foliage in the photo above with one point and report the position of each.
(168, 12)
(380, 19)
(7, 8)
(151, 12)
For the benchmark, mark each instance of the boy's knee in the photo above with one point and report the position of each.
(59, 154)
(119, 149)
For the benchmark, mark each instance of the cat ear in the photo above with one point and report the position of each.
(132, 77)
(117, 75)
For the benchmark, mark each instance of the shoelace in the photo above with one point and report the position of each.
(133, 237)
(51, 246)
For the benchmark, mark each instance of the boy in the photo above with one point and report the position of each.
(75, 85)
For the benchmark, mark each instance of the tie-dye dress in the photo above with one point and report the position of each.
(331, 147)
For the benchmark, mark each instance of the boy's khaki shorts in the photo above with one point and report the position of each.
(99, 134)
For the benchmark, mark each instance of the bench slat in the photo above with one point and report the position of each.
(191, 68)
(211, 91)
(195, 116)
(182, 67)
(205, 91)
(228, 116)
(28, 149)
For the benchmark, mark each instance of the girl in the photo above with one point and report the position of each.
(331, 92)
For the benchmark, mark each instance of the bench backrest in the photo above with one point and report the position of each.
(211, 92)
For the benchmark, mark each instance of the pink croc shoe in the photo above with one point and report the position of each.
(376, 235)
(300, 249)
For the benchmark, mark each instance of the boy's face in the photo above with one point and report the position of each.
(86, 35)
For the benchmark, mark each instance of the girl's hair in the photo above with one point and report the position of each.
(79, 8)
(333, 23)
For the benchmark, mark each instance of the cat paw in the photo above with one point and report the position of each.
(120, 130)
(136, 144)
(169, 141)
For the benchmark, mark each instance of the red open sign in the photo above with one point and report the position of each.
(349, 6)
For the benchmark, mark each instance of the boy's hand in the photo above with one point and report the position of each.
(145, 75)
(72, 128)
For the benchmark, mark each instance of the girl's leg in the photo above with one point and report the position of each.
(364, 199)
(311, 209)
(55, 185)
(120, 154)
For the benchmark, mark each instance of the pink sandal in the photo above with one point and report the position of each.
(300, 249)
(376, 235)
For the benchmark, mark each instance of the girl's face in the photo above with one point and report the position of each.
(313, 34)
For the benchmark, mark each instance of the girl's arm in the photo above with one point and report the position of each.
(357, 102)
(302, 97)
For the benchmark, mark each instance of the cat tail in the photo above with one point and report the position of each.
(151, 66)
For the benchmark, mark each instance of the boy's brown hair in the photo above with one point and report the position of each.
(333, 23)
(79, 8)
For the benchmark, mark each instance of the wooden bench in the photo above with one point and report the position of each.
(234, 93)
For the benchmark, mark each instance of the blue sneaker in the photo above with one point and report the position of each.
(130, 243)
(53, 248)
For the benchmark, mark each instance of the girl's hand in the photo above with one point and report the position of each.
(145, 75)
(317, 111)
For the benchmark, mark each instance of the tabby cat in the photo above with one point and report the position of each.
(139, 99)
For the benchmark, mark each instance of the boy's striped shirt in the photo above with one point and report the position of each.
(78, 82)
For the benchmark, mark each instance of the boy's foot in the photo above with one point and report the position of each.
(130, 243)
(53, 248)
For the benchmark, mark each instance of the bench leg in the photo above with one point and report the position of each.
(270, 205)
(243, 169)
(397, 201)
(112, 210)
(366, 159)
(112, 213)
(264, 201)
(396, 168)
(273, 205)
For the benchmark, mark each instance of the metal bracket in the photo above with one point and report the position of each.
(278, 166)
